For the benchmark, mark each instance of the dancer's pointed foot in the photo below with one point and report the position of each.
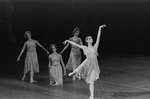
(56, 84)
(78, 76)
(91, 97)
(23, 78)
(72, 73)
(32, 81)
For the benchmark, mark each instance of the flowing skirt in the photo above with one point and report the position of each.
(56, 73)
(89, 70)
(31, 62)
(74, 59)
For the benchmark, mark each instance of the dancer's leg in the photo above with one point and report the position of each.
(24, 75)
(31, 77)
(78, 68)
(74, 76)
(91, 86)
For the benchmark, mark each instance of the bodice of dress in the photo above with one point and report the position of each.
(31, 46)
(90, 52)
(55, 59)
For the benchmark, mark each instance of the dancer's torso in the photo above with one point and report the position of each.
(31, 46)
(55, 59)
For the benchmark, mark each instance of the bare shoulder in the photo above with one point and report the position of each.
(71, 38)
(50, 56)
(59, 55)
(35, 41)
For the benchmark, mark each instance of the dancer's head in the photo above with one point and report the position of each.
(76, 31)
(27, 34)
(53, 47)
(89, 40)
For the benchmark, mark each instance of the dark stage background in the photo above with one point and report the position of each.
(52, 21)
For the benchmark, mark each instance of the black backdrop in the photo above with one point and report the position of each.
(52, 21)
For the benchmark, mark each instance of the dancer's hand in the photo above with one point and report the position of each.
(18, 59)
(102, 26)
(65, 42)
(64, 72)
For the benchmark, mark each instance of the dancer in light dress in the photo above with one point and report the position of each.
(75, 53)
(55, 67)
(31, 59)
(89, 68)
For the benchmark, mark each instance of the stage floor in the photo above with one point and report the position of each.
(122, 77)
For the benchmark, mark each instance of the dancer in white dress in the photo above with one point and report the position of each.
(89, 68)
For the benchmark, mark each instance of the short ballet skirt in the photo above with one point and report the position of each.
(89, 69)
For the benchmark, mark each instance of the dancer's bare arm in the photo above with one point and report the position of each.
(75, 44)
(98, 36)
(24, 46)
(65, 48)
(41, 46)
(61, 59)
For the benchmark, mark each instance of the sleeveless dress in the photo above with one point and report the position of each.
(31, 60)
(75, 56)
(89, 68)
(56, 69)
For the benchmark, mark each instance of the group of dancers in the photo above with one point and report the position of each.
(88, 70)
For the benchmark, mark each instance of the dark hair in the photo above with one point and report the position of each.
(27, 32)
(52, 46)
(74, 31)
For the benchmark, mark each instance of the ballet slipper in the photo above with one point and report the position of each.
(50, 84)
(56, 84)
(91, 97)
(78, 76)
(72, 73)
(23, 78)
(32, 81)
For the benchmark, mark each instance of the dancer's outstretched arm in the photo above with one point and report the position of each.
(41, 46)
(65, 48)
(73, 43)
(24, 46)
(98, 36)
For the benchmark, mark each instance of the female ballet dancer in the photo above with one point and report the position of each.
(75, 53)
(31, 60)
(89, 68)
(55, 69)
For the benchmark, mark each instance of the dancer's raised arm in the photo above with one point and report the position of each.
(98, 36)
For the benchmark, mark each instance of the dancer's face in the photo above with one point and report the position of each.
(77, 32)
(54, 48)
(89, 39)
(28, 35)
